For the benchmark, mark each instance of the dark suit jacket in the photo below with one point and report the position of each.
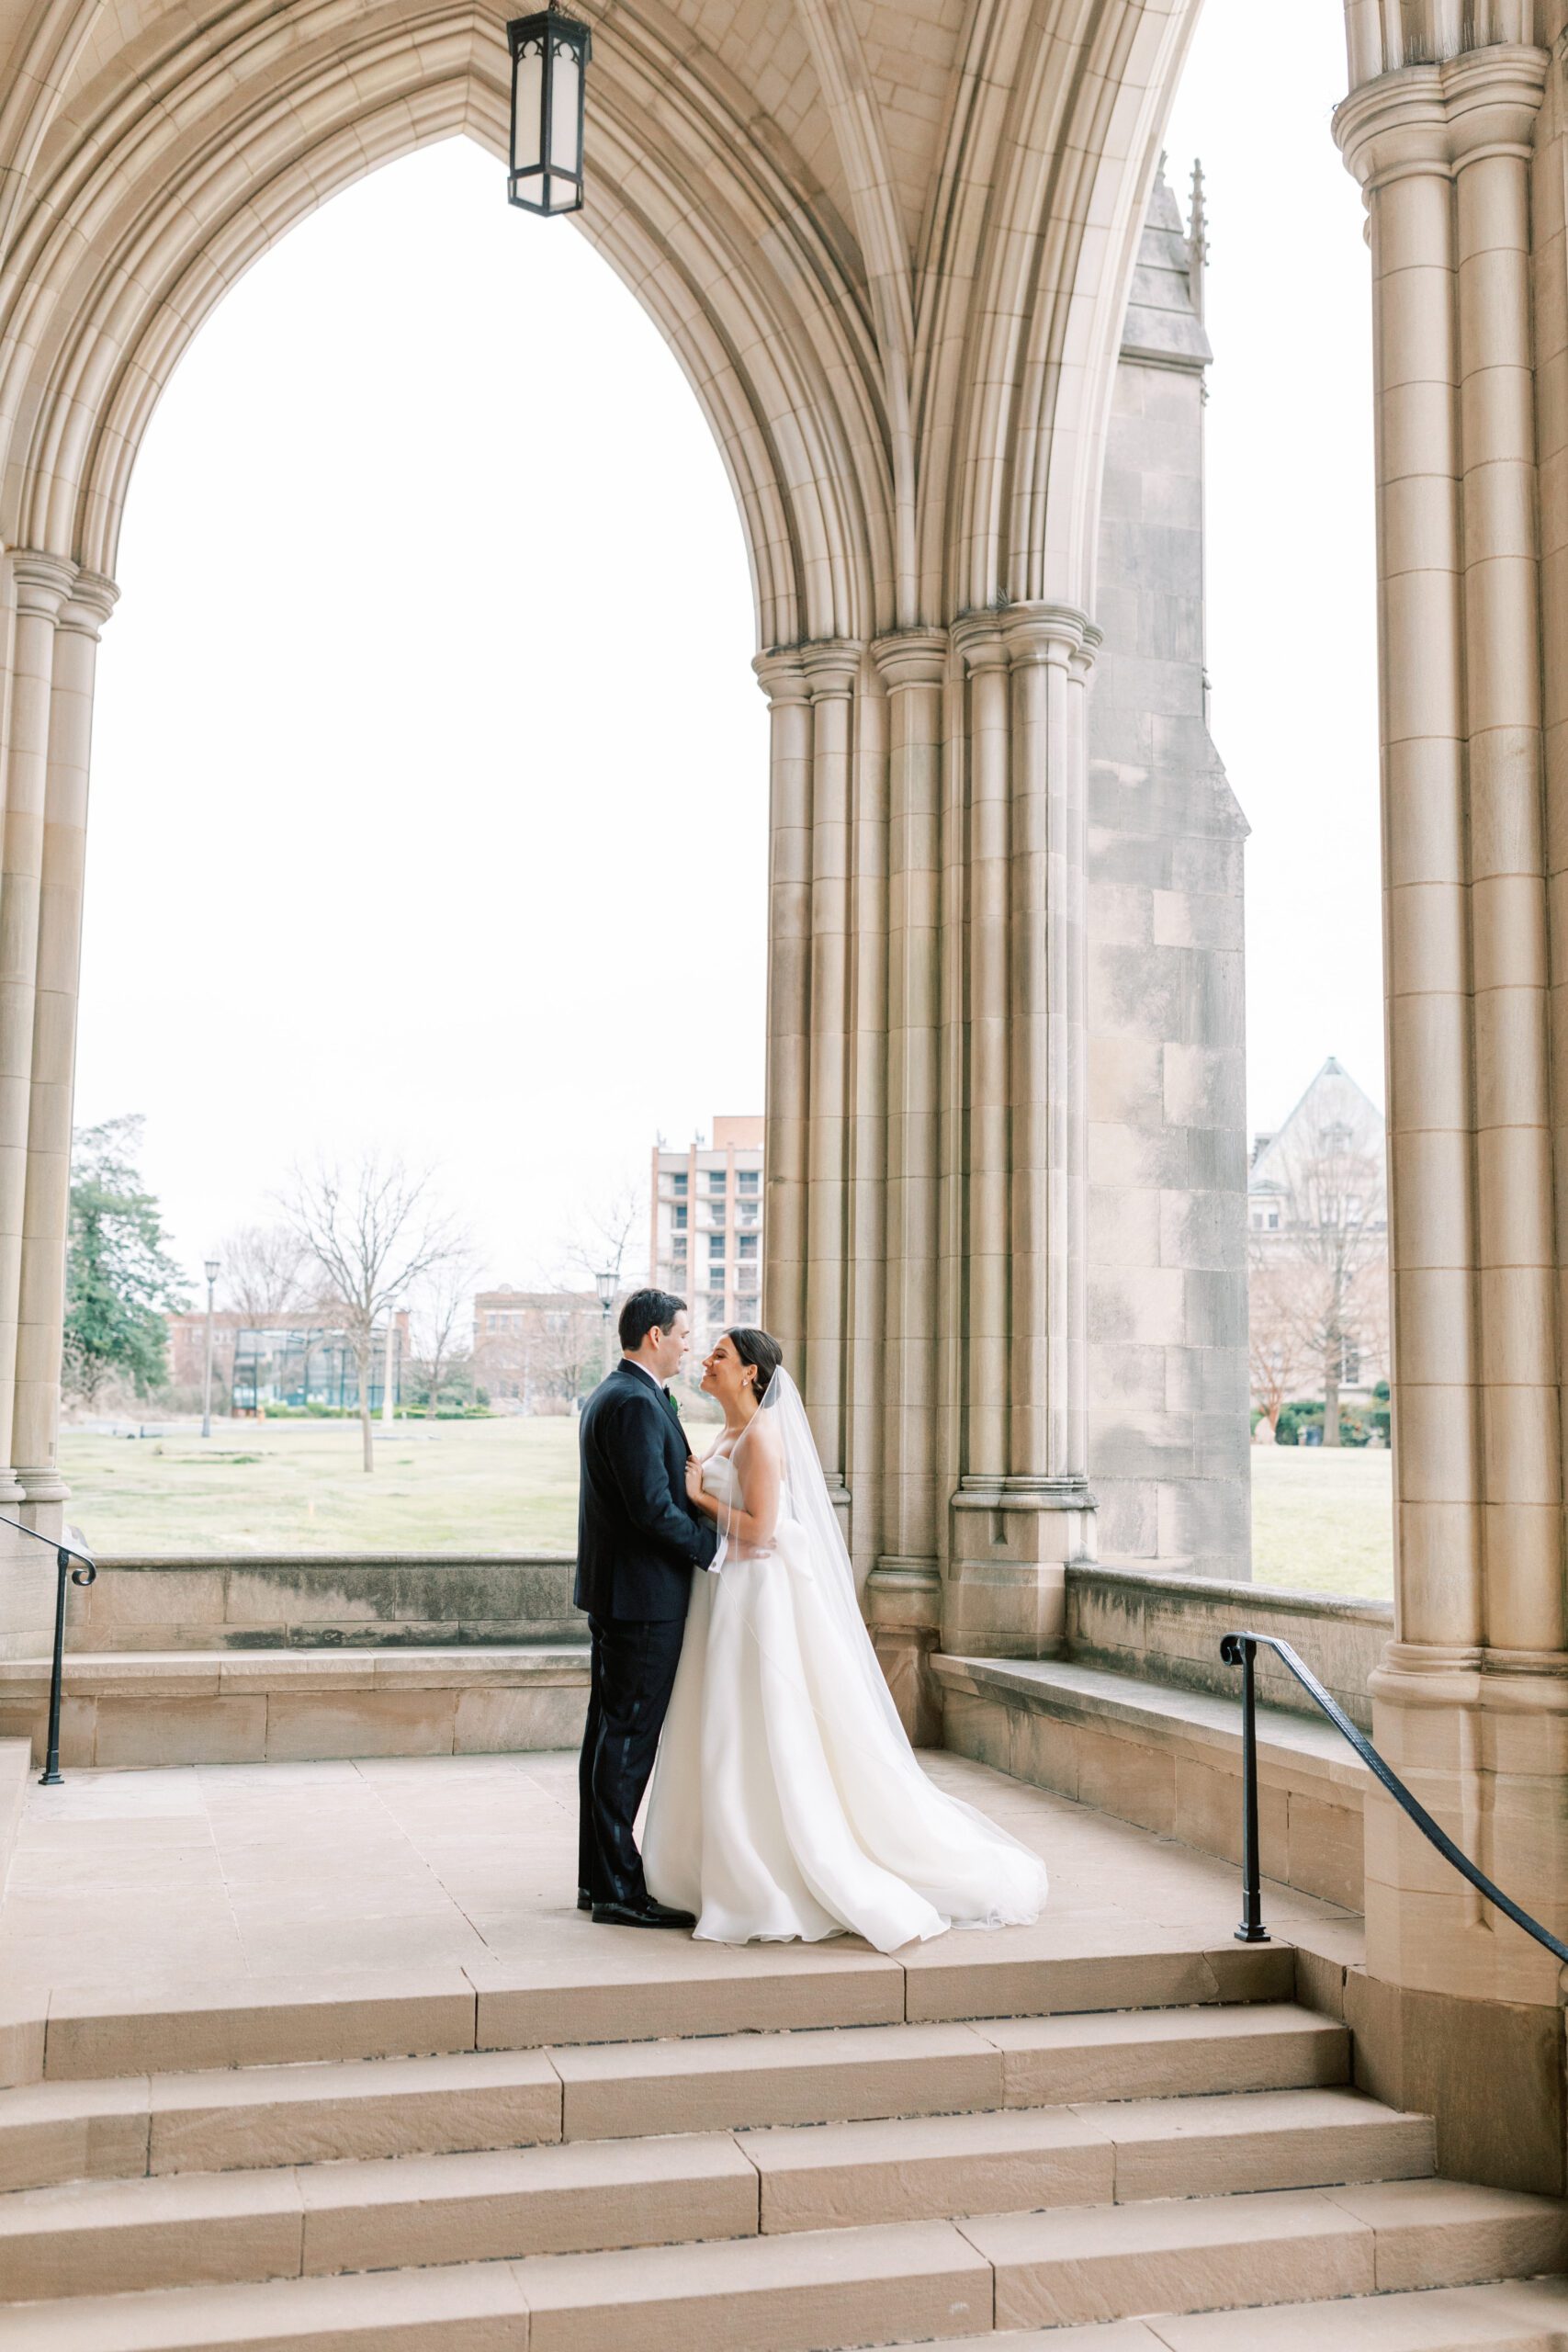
(638, 1537)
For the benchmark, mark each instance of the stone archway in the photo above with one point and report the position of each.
(903, 334)
(894, 253)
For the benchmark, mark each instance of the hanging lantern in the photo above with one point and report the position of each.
(549, 57)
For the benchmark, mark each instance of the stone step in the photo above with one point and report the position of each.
(126, 2126)
(1297, 2254)
(590, 2196)
(1102, 2155)
(1066, 2269)
(1512, 2316)
(598, 1986)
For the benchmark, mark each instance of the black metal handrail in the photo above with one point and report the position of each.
(52, 1776)
(1241, 1650)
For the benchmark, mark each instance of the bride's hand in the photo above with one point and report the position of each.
(695, 1481)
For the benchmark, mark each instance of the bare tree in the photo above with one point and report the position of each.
(375, 1230)
(440, 1311)
(1333, 1229)
(606, 1232)
(268, 1271)
(1278, 1356)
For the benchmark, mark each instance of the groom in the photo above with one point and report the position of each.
(637, 1543)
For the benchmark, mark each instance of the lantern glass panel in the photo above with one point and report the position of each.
(528, 110)
(565, 109)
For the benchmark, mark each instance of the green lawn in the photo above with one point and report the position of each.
(500, 1485)
(1320, 1521)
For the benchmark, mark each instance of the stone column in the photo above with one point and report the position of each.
(46, 1216)
(1023, 1509)
(1471, 1704)
(903, 1596)
(832, 670)
(782, 677)
(39, 586)
(986, 1319)
(865, 1224)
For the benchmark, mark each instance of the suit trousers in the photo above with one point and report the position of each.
(633, 1673)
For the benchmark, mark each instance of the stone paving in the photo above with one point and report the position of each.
(183, 1876)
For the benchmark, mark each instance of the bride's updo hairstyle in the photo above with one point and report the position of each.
(759, 1351)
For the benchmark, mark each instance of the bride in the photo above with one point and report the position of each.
(786, 1800)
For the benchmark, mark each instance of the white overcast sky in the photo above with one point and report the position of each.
(430, 774)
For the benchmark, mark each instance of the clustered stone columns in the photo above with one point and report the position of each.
(1023, 1509)
(925, 1106)
(1471, 1704)
(57, 613)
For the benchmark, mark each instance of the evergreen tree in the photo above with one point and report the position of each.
(120, 1279)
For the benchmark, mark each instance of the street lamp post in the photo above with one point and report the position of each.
(212, 1270)
(388, 1375)
(604, 1284)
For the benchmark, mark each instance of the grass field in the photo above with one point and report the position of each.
(1320, 1521)
(501, 1485)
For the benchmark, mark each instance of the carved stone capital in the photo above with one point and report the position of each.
(1437, 118)
(832, 667)
(978, 640)
(43, 581)
(781, 676)
(92, 599)
(911, 657)
(1059, 636)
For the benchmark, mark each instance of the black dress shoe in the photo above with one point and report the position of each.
(640, 1914)
(585, 1899)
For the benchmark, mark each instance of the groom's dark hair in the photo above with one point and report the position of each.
(645, 1311)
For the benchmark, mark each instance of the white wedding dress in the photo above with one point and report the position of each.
(786, 1801)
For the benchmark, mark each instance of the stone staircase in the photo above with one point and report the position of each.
(689, 2150)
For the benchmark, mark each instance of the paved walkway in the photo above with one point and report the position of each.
(154, 1880)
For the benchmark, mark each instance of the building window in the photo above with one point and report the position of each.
(679, 1217)
(679, 1181)
(716, 1243)
(716, 1179)
(747, 1245)
(747, 1180)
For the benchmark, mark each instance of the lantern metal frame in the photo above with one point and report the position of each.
(546, 35)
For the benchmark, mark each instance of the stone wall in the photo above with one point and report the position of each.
(1166, 1140)
(407, 1601)
(1169, 1629)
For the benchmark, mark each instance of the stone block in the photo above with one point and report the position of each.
(1139, 1307)
(506, 1722)
(1124, 1227)
(135, 1731)
(978, 1727)
(1140, 1445)
(1128, 1518)
(1202, 1231)
(1204, 1086)
(1132, 1376)
(1125, 1080)
(1197, 919)
(368, 1723)
(1135, 991)
(1214, 1308)
(1138, 1157)
(1127, 1779)
(1326, 1850)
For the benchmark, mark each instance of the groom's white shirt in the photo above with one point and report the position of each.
(634, 1363)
